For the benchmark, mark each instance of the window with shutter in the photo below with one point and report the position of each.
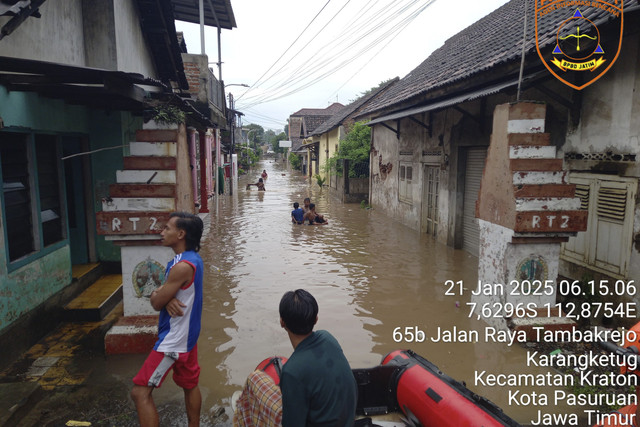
(16, 190)
(32, 198)
(405, 191)
(606, 244)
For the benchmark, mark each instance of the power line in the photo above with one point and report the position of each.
(319, 73)
(284, 53)
(325, 52)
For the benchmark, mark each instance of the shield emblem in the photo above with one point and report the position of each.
(578, 43)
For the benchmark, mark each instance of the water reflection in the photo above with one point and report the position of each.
(370, 276)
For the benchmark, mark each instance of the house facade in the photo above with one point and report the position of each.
(431, 132)
(325, 139)
(77, 80)
(302, 123)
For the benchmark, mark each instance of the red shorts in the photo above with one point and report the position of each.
(186, 370)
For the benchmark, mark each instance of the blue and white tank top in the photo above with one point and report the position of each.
(180, 334)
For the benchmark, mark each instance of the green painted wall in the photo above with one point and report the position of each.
(109, 130)
(24, 288)
(27, 287)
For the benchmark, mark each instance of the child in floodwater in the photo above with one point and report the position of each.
(259, 184)
(313, 217)
(297, 214)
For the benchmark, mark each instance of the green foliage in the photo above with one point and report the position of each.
(275, 142)
(246, 158)
(365, 205)
(255, 134)
(320, 181)
(168, 114)
(355, 147)
(295, 161)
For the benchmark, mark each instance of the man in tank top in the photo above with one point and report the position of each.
(179, 301)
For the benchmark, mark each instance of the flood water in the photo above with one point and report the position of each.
(369, 274)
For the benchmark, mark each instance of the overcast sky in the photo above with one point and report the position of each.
(310, 53)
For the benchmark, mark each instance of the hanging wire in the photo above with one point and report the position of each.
(524, 42)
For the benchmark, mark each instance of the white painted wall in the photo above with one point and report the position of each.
(609, 122)
(132, 256)
(610, 109)
(498, 263)
(63, 35)
(55, 37)
(132, 54)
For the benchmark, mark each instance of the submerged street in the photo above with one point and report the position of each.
(371, 276)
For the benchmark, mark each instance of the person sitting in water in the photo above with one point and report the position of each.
(306, 202)
(259, 184)
(264, 173)
(297, 214)
(313, 217)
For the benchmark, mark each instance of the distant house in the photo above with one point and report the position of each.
(76, 83)
(325, 139)
(431, 131)
(301, 124)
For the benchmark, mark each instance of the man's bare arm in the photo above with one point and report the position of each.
(180, 275)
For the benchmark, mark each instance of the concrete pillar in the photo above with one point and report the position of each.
(526, 208)
(155, 179)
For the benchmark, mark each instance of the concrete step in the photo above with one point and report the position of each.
(142, 190)
(132, 335)
(149, 163)
(95, 302)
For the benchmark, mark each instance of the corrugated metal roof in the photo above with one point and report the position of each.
(216, 12)
(446, 102)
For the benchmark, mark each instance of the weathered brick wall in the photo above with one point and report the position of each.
(193, 76)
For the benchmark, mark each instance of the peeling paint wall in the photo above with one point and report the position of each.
(609, 129)
(610, 110)
(25, 288)
(420, 149)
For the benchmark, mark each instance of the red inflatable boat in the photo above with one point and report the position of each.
(409, 383)
(626, 415)
(428, 397)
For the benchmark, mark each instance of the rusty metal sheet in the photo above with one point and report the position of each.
(551, 221)
(130, 223)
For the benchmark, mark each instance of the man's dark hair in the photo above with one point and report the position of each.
(192, 225)
(312, 206)
(296, 205)
(299, 310)
(306, 198)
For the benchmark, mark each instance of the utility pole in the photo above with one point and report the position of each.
(233, 140)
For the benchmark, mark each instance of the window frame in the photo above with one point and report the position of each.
(405, 186)
(39, 248)
(589, 190)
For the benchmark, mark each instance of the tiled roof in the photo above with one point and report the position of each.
(304, 121)
(493, 40)
(312, 122)
(348, 110)
(329, 111)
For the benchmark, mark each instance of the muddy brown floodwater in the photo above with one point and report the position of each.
(369, 274)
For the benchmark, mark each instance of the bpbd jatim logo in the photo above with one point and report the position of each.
(580, 51)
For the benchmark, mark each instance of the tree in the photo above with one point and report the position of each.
(275, 142)
(295, 161)
(255, 134)
(355, 147)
